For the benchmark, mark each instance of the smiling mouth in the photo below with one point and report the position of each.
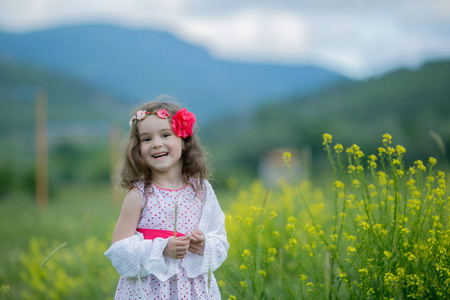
(159, 155)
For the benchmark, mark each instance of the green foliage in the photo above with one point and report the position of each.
(78, 214)
(84, 160)
(74, 272)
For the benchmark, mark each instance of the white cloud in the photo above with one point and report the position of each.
(358, 38)
(248, 35)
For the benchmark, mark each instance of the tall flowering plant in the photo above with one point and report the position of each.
(381, 233)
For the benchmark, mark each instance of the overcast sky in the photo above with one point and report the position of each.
(358, 38)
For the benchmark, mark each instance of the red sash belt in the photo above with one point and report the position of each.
(151, 234)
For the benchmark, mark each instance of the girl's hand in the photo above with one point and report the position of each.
(177, 247)
(197, 244)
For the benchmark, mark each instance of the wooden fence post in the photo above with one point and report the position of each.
(41, 150)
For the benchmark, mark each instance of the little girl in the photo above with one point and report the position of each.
(170, 235)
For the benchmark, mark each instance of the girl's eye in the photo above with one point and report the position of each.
(165, 135)
(146, 139)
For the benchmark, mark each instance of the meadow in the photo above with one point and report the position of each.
(376, 228)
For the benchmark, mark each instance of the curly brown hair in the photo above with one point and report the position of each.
(134, 169)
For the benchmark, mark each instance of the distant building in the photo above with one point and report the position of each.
(272, 166)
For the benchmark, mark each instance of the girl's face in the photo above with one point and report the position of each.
(160, 148)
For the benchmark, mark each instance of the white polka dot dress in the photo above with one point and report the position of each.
(158, 213)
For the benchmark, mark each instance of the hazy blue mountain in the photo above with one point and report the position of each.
(141, 64)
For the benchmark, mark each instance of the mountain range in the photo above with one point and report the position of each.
(137, 65)
(279, 106)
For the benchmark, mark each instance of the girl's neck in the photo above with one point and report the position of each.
(170, 183)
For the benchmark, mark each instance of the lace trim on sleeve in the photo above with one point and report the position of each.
(212, 223)
(134, 256)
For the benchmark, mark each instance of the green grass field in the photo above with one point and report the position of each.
(380, 229)
(74, 213)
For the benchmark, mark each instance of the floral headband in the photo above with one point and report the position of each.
(182, 122)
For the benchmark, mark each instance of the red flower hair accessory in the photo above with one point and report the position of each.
(182, 122)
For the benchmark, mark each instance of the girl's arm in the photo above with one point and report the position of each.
(130, 253)
(129, 216)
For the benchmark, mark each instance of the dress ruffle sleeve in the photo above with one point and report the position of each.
(212, 224)
(137, 257)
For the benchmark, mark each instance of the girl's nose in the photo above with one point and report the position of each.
(157, 143)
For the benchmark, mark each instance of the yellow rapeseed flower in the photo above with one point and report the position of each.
(400, 150)
(262, 273)
(359, 153)
(327, 138)
(387, 138)
(390, 150)
(276, 233)
(381, 150)
(338, 148)
(387, 254)
(333, 237)
(243, 283)
(221, 283)
(272, 251)
(363, 271)
(351, 168)
(287, 157)
(351, 249)
(400, 272)
(420, 165)
(410, 256)
(377, 226)
(338, 184)
(364, 225)
(405, 230)
(389, 278)
(243, 268)
(272, 215)
(245, 253)
(432, 161)
(351, 238)
(290, 227)
(292, 242)
(231, 297)
(382, 178)
(292, 219)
